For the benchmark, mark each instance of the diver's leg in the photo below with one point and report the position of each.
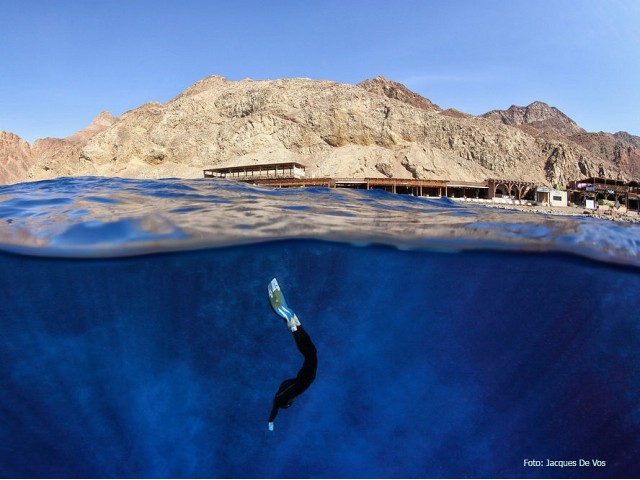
(307, 373)
(304, 343)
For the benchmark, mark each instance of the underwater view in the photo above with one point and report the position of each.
(453, 340)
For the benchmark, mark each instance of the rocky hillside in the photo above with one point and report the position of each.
(619, 152)
(620, 149)
(374, 129)
(395, 90)
(538, 115)
(15, 158)
(47, 157)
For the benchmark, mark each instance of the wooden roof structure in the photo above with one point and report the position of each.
(265, 170)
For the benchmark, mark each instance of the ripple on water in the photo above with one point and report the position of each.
(93, 216)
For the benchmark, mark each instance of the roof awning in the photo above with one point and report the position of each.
(257, 167)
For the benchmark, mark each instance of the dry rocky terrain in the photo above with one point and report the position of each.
(377, 128)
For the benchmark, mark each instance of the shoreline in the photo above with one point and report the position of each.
(571, 211)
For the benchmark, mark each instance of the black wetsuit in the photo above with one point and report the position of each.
(290, 389)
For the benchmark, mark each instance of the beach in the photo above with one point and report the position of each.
(603, 212)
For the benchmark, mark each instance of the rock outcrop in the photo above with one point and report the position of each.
(103, 121)
(620, 149)
(374, 129)
(538, 115)
(56, 157)
(389, 88)
(618, 154)
(15, 158)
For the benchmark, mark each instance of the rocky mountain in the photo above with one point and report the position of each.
(99, 124)
(46, 157)
(620, 152)
(538, 115)
(397, 91)
(15, 158)
(374, 129)
(621, 149)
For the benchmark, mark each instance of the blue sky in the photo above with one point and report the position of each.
(62, 62)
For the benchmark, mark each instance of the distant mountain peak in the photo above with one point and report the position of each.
(104, 118)
(103, 121)
(205, 84)
(383, 86)
(538, 115)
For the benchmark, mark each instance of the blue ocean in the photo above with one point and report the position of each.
(453, 340)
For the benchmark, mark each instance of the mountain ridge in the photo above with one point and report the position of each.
(376, 128)
(538, 115)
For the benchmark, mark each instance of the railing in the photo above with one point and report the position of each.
(408, 182)
(282, 181)
(259, 176)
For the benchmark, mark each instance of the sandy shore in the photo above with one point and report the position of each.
(606, 213)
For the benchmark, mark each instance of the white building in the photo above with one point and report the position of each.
(551, 197)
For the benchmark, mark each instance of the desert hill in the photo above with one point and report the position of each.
(374, 129)
(620, 151)
(391, 89)
(538, 115)
(15, 158)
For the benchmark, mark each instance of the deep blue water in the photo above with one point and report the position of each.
(154, 352)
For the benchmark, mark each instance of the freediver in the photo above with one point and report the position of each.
(291, 388)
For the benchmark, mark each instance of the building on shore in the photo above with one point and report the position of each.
(596, 192)
(293, 174)
(511, 189)
(258, 171)
(589, 193)
(551, 197)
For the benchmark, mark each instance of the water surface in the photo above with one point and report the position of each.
(453, 341)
